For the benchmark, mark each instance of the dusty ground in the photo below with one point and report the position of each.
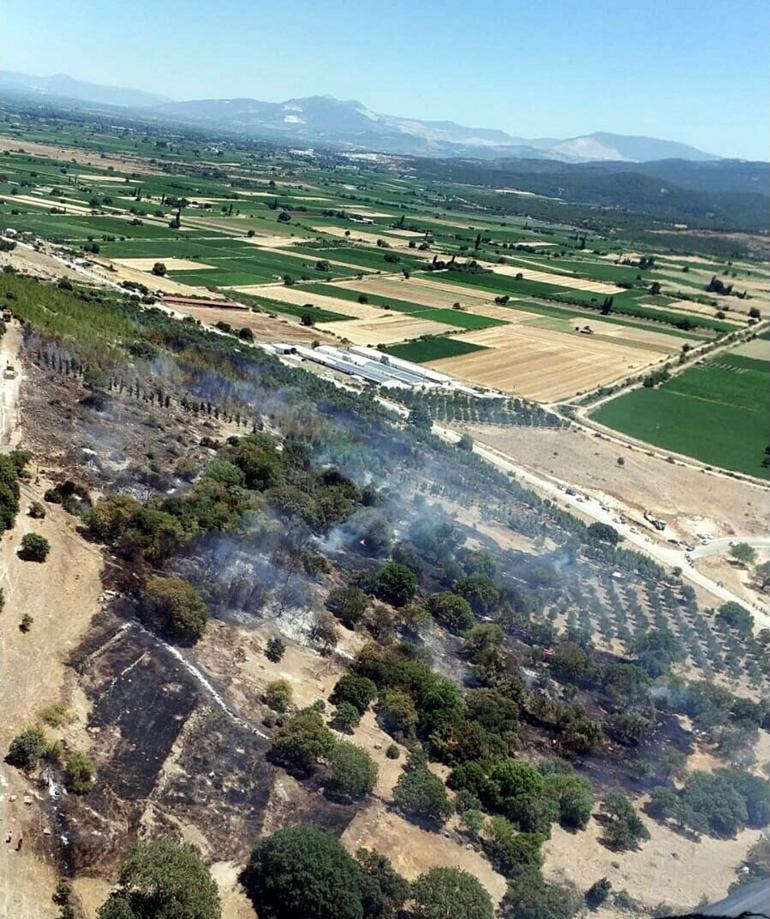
(414, 850)
(418, 290)
(676, 493)
(667, 868)
(265, 327)
(39, 264)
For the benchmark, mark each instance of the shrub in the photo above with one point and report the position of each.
(625, 829)
(392, 752)
(34, 548)
(80, 773)
(36, 510)
(27, 749)
(278, 695)
(275, 649)
(302, 742)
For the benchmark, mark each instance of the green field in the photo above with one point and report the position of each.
(715, 413)
(433, 348)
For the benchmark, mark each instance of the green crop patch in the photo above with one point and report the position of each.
(349, 293)
(460, 318)
(432, 348)
(717, 415)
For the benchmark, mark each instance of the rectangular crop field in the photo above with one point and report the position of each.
(432, 349)
(716, 413)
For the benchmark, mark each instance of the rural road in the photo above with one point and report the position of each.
(671, 556)
(722, 546)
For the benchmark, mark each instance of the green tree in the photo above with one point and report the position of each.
(348, 604)
(357, 690)
(511, 851)
(625, 829)
(27, 749)
(383, 890)
(302, 742)
(163, 880)
(352, 771)
(174, 606)
(398, 713)
(744, 554)
(530, 897)
(303, 873)
(346, 717)
(448, 893)
(452, 611)
(395, 584)
(421, 795)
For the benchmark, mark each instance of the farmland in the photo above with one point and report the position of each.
(716, 413)
(437, 271)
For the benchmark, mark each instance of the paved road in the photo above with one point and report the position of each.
(670, 556)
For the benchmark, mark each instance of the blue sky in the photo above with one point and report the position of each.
(688, 70)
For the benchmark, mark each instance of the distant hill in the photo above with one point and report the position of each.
(324, 120)
(63, 87)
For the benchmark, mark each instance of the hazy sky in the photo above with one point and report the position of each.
(691, 70)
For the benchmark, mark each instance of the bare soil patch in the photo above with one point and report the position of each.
(688, 498)
(414, 850)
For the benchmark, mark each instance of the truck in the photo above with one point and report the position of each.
(655, 521)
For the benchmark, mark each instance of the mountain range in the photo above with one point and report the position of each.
(325, 120)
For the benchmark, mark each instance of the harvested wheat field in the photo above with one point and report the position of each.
(558, 280)
(386, 330)
(48, 203)
(418, 290)
(302, 297)
(541, 364)
(271, 241)
(172, 264)
(154, 282)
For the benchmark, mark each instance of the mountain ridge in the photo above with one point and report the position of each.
(323, 119)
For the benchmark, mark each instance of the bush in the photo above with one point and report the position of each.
(448, 893)
(163, 879)
(27, 749)
(398, 713)
(510, 851)
(530, 897)
(301, 872)
(395, 584)
(346, 717)
(392, 752)
(597, 893)
(80, 773)
(174, 606)
(36, 510)
(34, 548)
(278, 695)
